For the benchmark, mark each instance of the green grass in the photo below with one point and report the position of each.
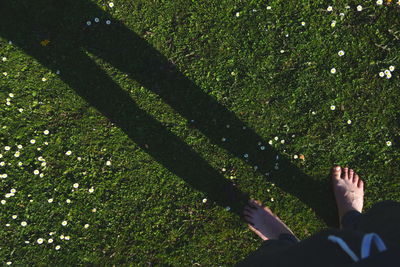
(128, 92)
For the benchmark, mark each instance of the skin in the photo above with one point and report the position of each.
(349, 194)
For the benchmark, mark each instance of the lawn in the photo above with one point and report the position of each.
(133, 132)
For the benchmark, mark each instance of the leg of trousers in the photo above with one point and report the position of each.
(383, 219)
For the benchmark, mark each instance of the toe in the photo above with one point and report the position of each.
(258, 202)
(345, 174)
(248, 211)
(351, 175)
(355, 178)
(360, 183)
(248, 219)
(251, 204)
(336, 172)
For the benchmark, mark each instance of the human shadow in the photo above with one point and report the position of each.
(26, 23)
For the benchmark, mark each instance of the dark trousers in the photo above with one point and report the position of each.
(383, 219)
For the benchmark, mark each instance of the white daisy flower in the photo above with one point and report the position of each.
(341, 53)
(17, 154)
(303, 23)
(61, 237)
(20, 163)
(108, 163)
(96, 20)
(228, 208)
(270, 142)
(237, 14)
(67, 237)
(379, 2)
(276, 138)
(246, 155)
(333, 70)
(329, 8)
(68, 201)
(3, 201)
(13, 190)
(205, 200)
(111, 4)
(381, 74)
(262, 147)
(4, 58)
(333, 24)
(391, 68)
(333, 107)
(33, 141)
(91, 190)
(349, 122)
(9, 262)
(86, 226)
(36, 172)
(295, 156)
(268, 7)
(388, 76)
(58, 247)
(7, 148)
(46, 132)
(76, 185)
(94, 210)
(272, 199)
(64, 223)
(11, 94)
(341, 14)
(14, 217)
(24, 223)
(69, 152)
(108, 22)
(359, 8)
(282, 51)
(88, 23)
(50, 241)
(50, 200)
(40, 240)
(19, 146)
(282, 141)
(44, 79)
(5, 73)
(387, 72)
(388, 143)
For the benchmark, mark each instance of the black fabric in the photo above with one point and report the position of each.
(351, 219)
(387, 258)
(383, 219)
(288, 237)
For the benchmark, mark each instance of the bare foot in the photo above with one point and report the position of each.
(348, 189)
(263, 222)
